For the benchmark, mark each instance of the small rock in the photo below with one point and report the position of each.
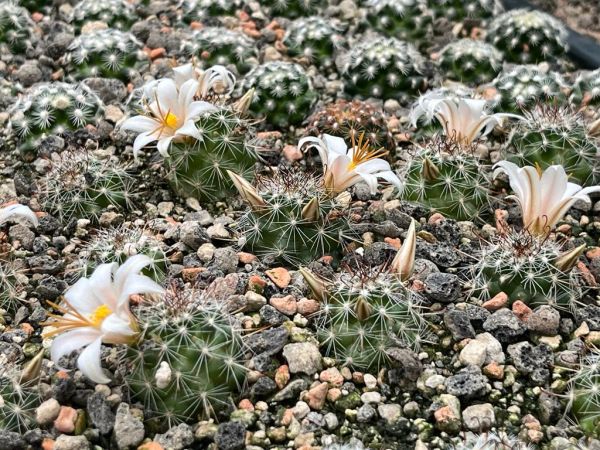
(479, 418)
(176, 438)
(544, 320)
(65, 422)
(280, 276)
(303, 357)
(533, 361)
(504, 326)
(316, 396)
(467, 384)
(231, 436)
(458, 323)
(500, 300)
(447, 417)
(285, 305)
(64, 442)
(390, 412)
(442, 287)
(100, 413)
(474, 353)
(128, 430)
(371, 397)
(47, 412)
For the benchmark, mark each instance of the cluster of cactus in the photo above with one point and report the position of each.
(470, 61)
(79, 185)
(366, 312)
(106, 53)
(118, 14)
(523, 87)
(528, 37)
(384, 68)
(528, 268)
(291, 8)
(314, 38)
(457, 10)
(350, 119)
(409, 20)
(283, 92)
(448, 178)
(555, 135)
(217, 45)
(200, 10)
(187, 364)
(49, 109)
(117, 244)
(584, 401)
(586, 88)
(293, 219)
(18, 402)
(17, 30)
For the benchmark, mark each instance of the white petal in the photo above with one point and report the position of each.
(196, 109)
(132, 266)
(136, 284)
(374, 165)
(186, 96)
(189, 129)
(184, 73)
(116, 329)
(101, 285)
(163, 145)
(335, 144)
(167, 96)
(70, 341)
(82, 297)
(89, 362)
(141, 141)
(140, 124)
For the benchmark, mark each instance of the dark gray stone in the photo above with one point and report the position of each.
(467, 384)
(544, 320)
(11, 441)
(269, 342)
(100, 413)
(504, 326)
(231, 436)
(271, 316)
(442, 287)
(533, 361)
(406, 363)
(263, 387)
(458, 323)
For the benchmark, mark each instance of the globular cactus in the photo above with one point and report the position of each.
(522, 87)
(106, 53)
(292, 218)
(17, 30)
(527, 268)
(584, 394)
(384, 68)
(118, 14)
(79, 185)
(586, 89)
(187, 364)
(51, 109)
(10, 285)
(230, 48)
(292, 8)
(491, 441)
(314, 38)
(409, 20)
(284, 93)
(458, 10)
(350, 119)
(528, 37)
(18, 402)
(448, 178)
(552, 135)
(469, 61)
(201, 10)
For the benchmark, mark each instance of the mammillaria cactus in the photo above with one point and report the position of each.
(200, 10)
(106, 53)
(384, 68)
(528, 37)
(17, 405)
(470, 61)
(584, 395)
(457, 10)
(118, 14)
(283, 92)
(17, 30)
(314, 38)
(10, 286)
(409, 20)
(291, 8)
(586, 88)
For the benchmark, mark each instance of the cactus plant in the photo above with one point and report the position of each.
(586, 88)
(409, 20)
(291, 8)
(457, 10)
(384, 68)
(18, 402)
(522, 87)
(106, 53)
(79, 185)
(201, 10)
(469, 61)
(187, 364)
(528, 37)
(17, 30)
(314, 38)
(284, 94)
(214, 45)
(118, 14)
(10, 285)
(552, 135)
(584, 395)
(51, 109)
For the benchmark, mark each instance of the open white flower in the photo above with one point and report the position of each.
(96, 311)
(18, 210)
(344, 167)
(464, 119)
(216, 79)
(171, 116)
(544, 197)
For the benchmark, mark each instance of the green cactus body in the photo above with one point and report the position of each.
(279, 231)
(292, 8)
(198, 168)
(118, 14)
(314, 38)
(51, 109)
(585, 395)
(523, 267)
(409, 20)
(201, 10)
(365, 315)
(35, 5)
(458, 10)
(106, 53)
(586, 88)
(79, 185)
(528, 37)
(384, 68)
(522, 87)
(550, 136)
(449, 180)
(188, 362)
(17, 30)
(18, 403)
(10, 286)
(284, 94)
(469, 61)
(213, 45)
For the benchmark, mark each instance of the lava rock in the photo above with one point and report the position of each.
(504, 326)
(406, 363)
(176, 438)
(533, 361)
(458, 323)
(269, 342)
(467, 384)
(544, 320)
(442, 287)
(231, 436)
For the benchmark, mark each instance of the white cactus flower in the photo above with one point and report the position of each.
(18, 210)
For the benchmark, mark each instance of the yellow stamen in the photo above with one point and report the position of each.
(363, 152)
(100, 313)
(171, 120)
(77, 320)
(538, 168)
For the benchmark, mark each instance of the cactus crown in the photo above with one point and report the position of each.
(410, 20)
(470, 61)
(492, 441)
(18, 402)
(314, 38)
(115, 13)
(16, 27)
(291, 8)
(457, 10)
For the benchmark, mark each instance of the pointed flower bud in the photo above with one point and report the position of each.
(247, 191)
(403, 264)
(318, 286)
(430, 172)
(311, 210)
(568, 260)
(243, 104)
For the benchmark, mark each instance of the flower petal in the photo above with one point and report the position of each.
(140, 124)
(141, 141)
(70, 341)
(89, 362)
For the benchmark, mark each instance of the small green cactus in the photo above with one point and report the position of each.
(522, 87)
(384, 68)
(10, 285)
(552, 135)
(292, 8)
(586, 88)
(18, 402)
(469, 61)
(284, 94)
(214, 45)
(314, 38)
(17, 30)
(106, 53)
(409, 20)
(79, 185)
(118, 14)
(458, 10)
(584, 401)
(528, 37)
(448, 178)
(201, 10)
(187, 364)
(51, 109)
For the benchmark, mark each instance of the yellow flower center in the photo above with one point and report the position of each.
(363, 152)
(171, 120)
(99, 314)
